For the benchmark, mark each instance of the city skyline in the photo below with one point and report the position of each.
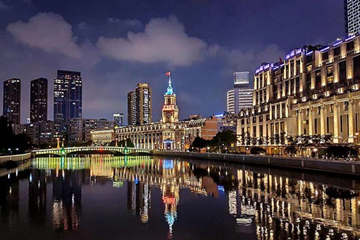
(109, 76)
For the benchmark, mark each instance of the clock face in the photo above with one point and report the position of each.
(168, 115)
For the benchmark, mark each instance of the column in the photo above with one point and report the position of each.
(299, 122)
(336, 122)
(322, 121)
(257, 124)
(251, 129)
(351, 122)
(311, 121)
(264, 127)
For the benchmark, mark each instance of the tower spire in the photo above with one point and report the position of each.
(170, 90)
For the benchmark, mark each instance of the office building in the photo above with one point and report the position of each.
(67, 98)
(38, 100)
(352, 16)
(241, 95)
(118, 119)
(11, 100)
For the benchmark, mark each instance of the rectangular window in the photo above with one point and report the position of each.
(356, 68)
(341, 124)
(350, 46)
(297, 67)
(330, 74)
(328, 124)
(308, 80)
(342, 70)
(297, 87)
(325, 56)
(337, 51)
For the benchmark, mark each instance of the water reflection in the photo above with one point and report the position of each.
(280, 205)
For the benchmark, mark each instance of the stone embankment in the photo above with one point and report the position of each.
(15, 158)
(327, 166)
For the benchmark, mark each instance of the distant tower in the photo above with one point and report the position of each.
(352, 16)
(170, 111)
(12, 99)
(241, 95)
(118, 119)
(38, 100)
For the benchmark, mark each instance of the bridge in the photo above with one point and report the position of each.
(90, 149)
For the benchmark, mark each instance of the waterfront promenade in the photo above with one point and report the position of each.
(351, 168)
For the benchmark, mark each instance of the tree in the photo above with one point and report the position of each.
(199, 143)
(126, 143)
(341, 152)
(291, 150)
(257, 150)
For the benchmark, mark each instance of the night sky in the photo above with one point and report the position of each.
(118, 43)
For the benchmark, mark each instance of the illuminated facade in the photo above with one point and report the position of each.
(313, 93)
(169, 133)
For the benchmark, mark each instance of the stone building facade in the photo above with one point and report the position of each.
(314, 93)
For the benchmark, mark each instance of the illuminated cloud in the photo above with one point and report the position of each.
(46, 31)
(163, 40)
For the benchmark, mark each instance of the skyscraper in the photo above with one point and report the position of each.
(140, 105)
(12, 98)
(67, 97)
(38, 100)
(132, 108)
(143, 104)
(241, 95)
(352, 16)
(118, 119)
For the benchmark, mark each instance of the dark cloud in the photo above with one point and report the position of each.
(46, 31)
(163, 40)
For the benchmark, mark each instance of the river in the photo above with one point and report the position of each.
(107, 197)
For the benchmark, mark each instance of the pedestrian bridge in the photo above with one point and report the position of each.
(91, 149)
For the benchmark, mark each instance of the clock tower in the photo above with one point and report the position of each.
(170, 111)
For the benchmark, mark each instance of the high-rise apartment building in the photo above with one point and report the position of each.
(118, 119)
(132, 108)
(140, 105)
(352, 16)
(38, 100)
(67, 97)
(12, 99)
(241, 95)
(143, 104)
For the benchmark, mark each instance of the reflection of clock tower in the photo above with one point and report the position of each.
(170, 111)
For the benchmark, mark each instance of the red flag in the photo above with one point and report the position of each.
(167, 74)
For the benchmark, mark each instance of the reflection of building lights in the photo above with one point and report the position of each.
(168, 200)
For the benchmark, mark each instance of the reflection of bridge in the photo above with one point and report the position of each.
(95, 162)
(90, 149)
